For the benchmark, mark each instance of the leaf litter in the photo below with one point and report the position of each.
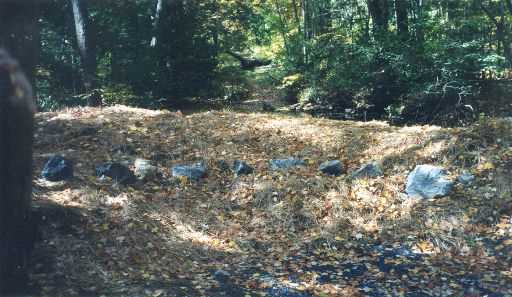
(296, 232)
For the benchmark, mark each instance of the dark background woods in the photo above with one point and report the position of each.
(441, 61)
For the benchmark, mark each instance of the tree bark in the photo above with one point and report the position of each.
(17, 228)
(379, 12)
(156, 22)
(19, 34)
(402, 18)
(86, 45)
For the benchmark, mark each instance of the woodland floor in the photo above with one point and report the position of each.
(295, 233)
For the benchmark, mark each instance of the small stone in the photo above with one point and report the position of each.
(427, 181)
(57, 168)
(242, 168)
(116, 171)
(466, 178)
(193, 172)
(144, 170)
(283, 164)
(221, 275)
(333, 167)
(372, 169)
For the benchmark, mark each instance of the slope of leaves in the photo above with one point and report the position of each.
(270, 233)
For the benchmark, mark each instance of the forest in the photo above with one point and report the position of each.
(444, 62)
(281, 148)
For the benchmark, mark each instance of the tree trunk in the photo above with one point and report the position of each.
(156, 22)
(306, 29)
(161, 43)
(17, 228)
(402, 19)
(86, 45)
(19, 34)
(379, 12)
(420, 35)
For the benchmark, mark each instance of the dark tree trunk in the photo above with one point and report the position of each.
(379, 12)
(160, 41)
(402, 18)
(17, 228)
(19, 34)
(86, 46)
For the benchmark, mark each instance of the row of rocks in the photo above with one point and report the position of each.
(425, 181)
(59, 168)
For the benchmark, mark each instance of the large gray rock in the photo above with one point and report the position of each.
(284, 164)
(57, 168)
(427, 181)
(144, 170)
(193, 172)
(333, 167)
(372, 169)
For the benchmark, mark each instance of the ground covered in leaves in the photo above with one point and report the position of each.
(272, 233)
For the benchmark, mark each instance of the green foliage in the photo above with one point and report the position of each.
(292, 86)
(120, 94)
(327, 52)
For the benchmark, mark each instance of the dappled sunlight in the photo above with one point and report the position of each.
(264, 215)
(174, 226)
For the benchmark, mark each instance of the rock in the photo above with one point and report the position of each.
(466, 178)
(333, 167)
(194, 171)
(372, 169)
(221, 275)
(116, 171)
(242, 168)
(283, 164)
(283, 291)
(427, 181)
(57, 168)
(144, 170)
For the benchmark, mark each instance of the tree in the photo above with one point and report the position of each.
(17, 226)
(157, 22)
(379, 12)
(86, 46)
(402, 18)
(502, 28)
